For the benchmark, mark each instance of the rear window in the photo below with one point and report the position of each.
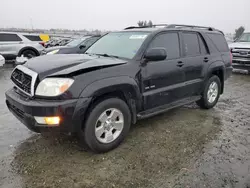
(33, 37)
(219, 41)
(6, 37)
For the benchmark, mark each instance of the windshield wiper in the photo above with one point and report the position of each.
(107, 55)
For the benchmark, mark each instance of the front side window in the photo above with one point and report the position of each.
(89, 42)
(169, 41)
(6, 37)
(191, 44)
(120, 44)
(76, 42)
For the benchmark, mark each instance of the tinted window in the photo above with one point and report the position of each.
(191, 44)
(169, 41)
(219, 41)
(5, 37)
(33, 37)
(89, 42)
(203, 47)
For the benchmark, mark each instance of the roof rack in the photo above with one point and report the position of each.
(191, 26)
(176, 26)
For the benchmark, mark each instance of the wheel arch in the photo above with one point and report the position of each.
(217, 68)
(123, 87)
(28, 48)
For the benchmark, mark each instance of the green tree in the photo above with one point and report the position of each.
(239, 32)
(142, 23)
(150, 23)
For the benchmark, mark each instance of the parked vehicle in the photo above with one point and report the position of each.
(77, 46)
(241, 52)
(125, 76)
(2, 60)
(64, 42)
(13, 45)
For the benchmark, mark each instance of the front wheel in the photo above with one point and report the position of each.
(211, 93)
(107, 125)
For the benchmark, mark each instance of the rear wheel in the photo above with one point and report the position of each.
(107, 125)
(211, 93)
(29, 53)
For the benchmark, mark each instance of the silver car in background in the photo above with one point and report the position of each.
(14, 45)
(241, 52)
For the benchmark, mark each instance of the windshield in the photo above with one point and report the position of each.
(76, 42)
(244, 38)
(120, 44)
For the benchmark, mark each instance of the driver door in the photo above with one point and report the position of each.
(163, 81)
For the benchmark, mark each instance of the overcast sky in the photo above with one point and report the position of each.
(117, 14)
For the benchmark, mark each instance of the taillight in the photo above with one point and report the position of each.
(231, 57)
(42, 43)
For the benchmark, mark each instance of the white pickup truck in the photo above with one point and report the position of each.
(241, 52)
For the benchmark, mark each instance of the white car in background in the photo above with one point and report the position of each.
(14, 45)
(2, 60)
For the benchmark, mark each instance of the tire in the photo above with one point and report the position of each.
(100, 141)
(205, 102)
(28, 53)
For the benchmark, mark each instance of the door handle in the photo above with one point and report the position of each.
(206, 59)
(180, 63)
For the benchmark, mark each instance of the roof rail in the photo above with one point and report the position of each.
(177, 26)
(191, 26)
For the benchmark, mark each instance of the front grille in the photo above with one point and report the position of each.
(22, 80)
(241, 52)
(15, 110)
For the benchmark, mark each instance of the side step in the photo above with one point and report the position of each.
(164, 108)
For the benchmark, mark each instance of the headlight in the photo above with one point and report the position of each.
(53, 86)
(52, 52)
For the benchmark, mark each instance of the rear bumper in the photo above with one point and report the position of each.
(70, 111)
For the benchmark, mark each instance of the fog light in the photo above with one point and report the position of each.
(48, 120)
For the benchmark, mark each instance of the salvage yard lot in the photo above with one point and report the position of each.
(185, 147)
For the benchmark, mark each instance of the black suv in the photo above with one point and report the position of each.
(124, 77)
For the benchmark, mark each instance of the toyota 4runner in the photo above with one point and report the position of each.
(124, 77)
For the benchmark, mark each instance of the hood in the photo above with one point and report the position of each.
(239, 45)
(63, 64)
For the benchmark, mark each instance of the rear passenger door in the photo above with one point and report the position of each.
(195, 54)
(162, 81)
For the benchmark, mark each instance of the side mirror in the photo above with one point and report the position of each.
(82, 46)
(155, 54)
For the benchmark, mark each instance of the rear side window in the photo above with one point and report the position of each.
(191, 44)
(6, 37)
(169, 41)
(219, 41)
(33, 37)
(203, 47)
